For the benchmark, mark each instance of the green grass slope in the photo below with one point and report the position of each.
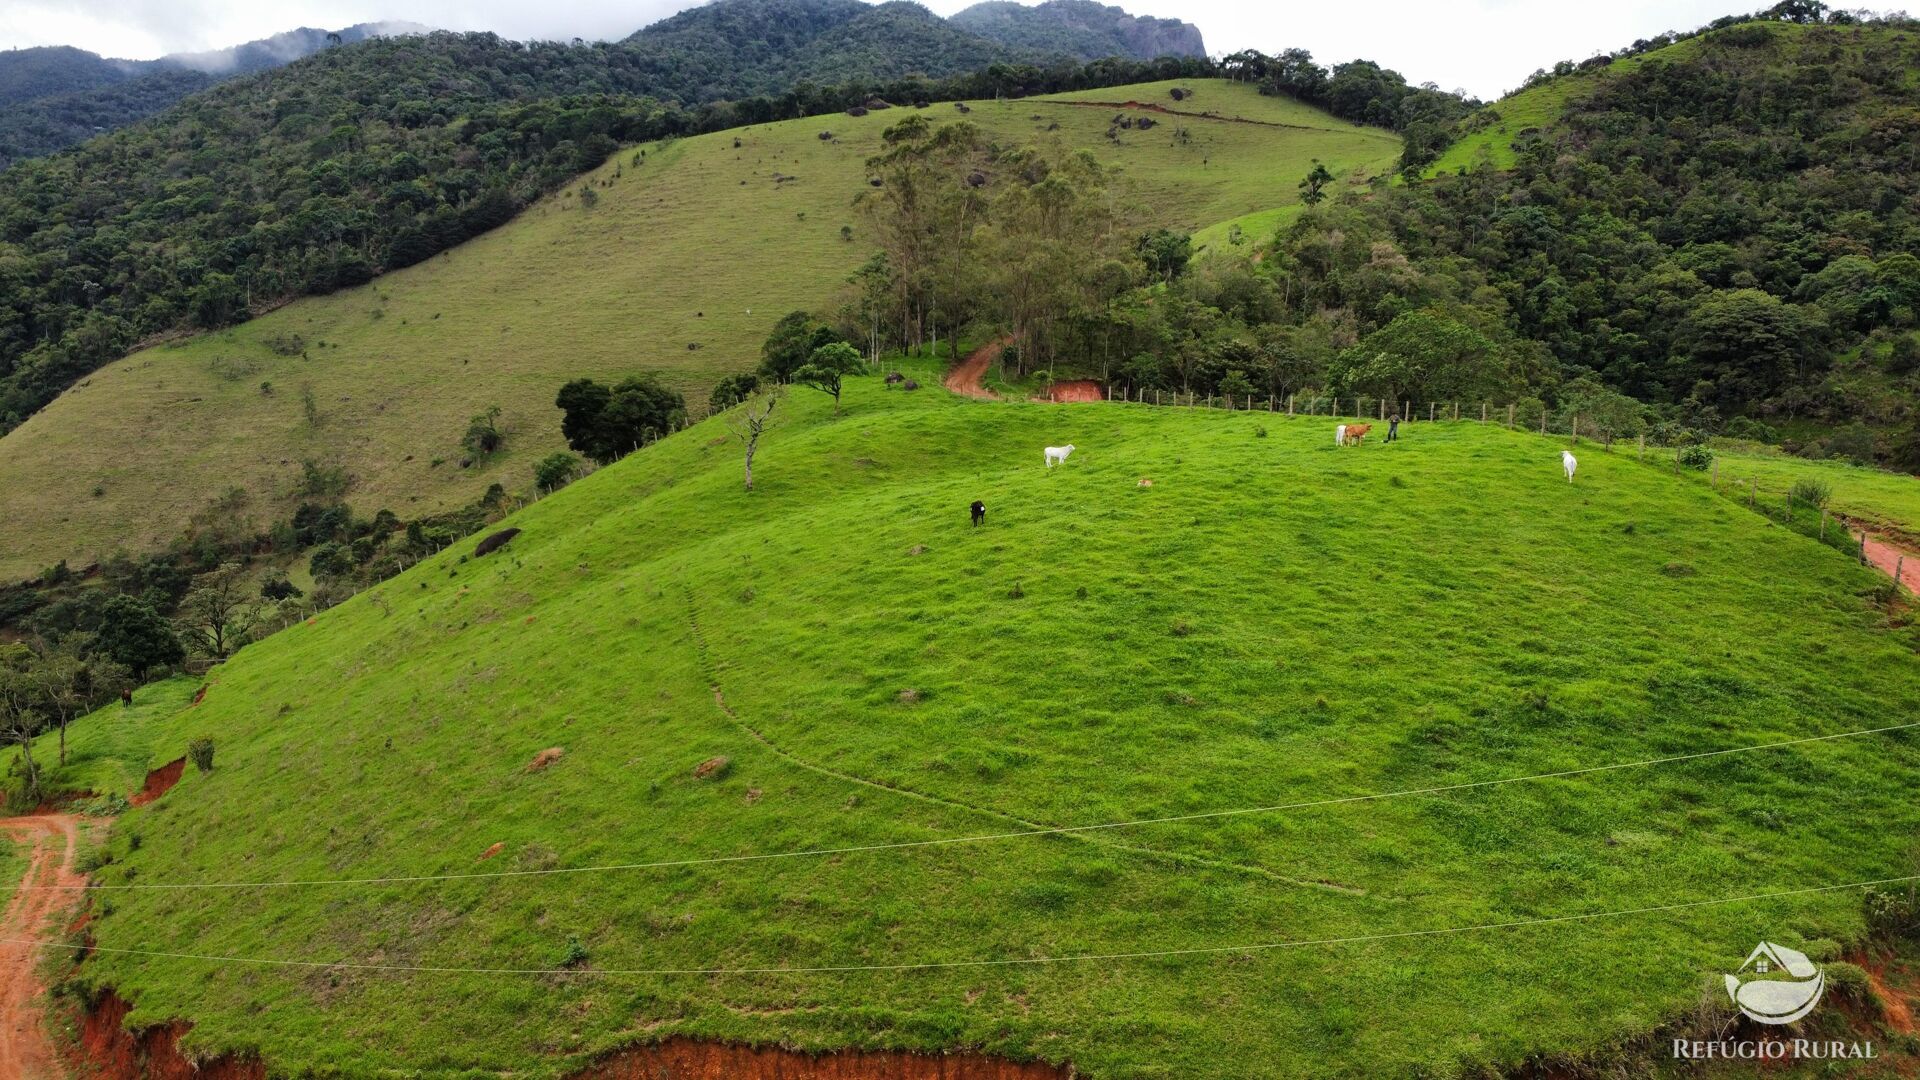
(1274, 620)
(1494, 129)
(701, 244)
(1884, 499)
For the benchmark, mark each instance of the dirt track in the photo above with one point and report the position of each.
(1887, 556)
(965, 378)
(25, 1051)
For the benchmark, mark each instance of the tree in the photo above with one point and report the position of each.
(751, 422)
(134, 635)
(1422, 353)
(605, 424)
(219, 611)
(1749, 344)
(733, 390)
(792, 344)
(1313, 188)
(20, 716)
(1165, 252)
(555, 470)
(827, 367)
(1599, 410)
(484, 436)
(581, 402)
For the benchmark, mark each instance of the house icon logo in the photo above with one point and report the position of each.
(1776, 985)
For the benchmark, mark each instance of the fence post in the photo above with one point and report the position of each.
(1509, 417)
(1456, 410)
(1716, 464)
(1270, 407)
(1753, 498)
(1899, 571)
(1823, 523)
(1863, 547)
(1543, 419)
(1289, 404)
(1430, 407)
(1483, 412)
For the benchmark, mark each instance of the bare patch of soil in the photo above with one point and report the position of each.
(26, 1053)
(159, 782)
(1075, 390)
(965, 378)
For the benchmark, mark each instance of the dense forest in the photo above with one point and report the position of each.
(363, 159)
(1080, 28)
(1719, 240)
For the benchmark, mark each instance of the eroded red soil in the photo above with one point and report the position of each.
(26, 1053)
(159, 782)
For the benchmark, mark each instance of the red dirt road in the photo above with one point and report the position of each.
(1887, 556)
(965, 378)
(25, 1051)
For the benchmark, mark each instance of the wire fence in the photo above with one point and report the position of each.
(1780, 504)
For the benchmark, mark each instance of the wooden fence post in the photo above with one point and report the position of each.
(1509, 417)
(1643, 450)
(1483, 412)
(1716, 465)
(1753, 493)
(1823, 523)
(1289, 404)
(1430, 407)
(1543, 419)
(1456, 410)
(1863, 547)
(1899, 570)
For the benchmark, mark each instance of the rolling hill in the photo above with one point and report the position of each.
(675, 257)
(664, 670)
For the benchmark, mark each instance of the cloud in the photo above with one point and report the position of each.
(1483, 46)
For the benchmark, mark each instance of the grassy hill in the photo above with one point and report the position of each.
(1274, 620)
(679, 260)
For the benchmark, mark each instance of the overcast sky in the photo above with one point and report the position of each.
(1483, 46)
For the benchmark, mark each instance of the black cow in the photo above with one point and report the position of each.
(979, 512)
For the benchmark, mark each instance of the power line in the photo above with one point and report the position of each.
(1442, 789)
(1213, 950)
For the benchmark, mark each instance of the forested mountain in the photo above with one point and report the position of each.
(54, 97)
(741, 48)
(374, 156)
(1716, 232)
(1081, 28)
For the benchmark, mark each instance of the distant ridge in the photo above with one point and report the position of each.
(1081, 28)
(52, 97)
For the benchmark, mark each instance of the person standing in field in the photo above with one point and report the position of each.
(1393, 425)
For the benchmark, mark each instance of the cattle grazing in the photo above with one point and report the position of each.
(126, 699)
(1340, 435)
(979, 513)
(894, 379)
(1568, 463)
(495, 542)
(1356, 432)
(1058, 454)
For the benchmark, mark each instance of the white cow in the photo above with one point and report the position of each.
(1567, 462)
(1058, 454)
(1340, 435)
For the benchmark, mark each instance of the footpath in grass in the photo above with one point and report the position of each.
(1198, 611)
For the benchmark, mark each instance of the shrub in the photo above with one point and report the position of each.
(733, 390)
(554, 471)
(1815, 493)
(284, 343)
(200, 752)
(1696, 457)
(574, 955)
